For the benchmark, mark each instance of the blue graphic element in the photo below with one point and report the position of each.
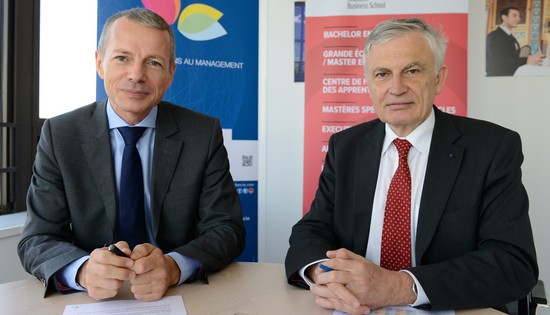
(216, 89)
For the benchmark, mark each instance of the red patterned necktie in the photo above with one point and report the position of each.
(396, 233)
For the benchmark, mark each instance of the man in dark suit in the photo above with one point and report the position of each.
(471, 242)
(503, 50)
(192, 212)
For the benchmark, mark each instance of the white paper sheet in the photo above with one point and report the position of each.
(169, 305)
(401, 310)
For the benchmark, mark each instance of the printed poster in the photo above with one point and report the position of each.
(216, 74)
(336, 96)
(526, 52)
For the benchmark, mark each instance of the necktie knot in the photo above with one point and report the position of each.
(131, 135)
(403, 146)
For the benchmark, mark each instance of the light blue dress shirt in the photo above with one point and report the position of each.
(67, 275)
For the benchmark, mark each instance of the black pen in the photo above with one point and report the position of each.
(115, 250)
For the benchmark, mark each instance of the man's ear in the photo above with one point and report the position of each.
(99, 64)
(440, 78)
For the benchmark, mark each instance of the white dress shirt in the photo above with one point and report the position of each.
(420, 139)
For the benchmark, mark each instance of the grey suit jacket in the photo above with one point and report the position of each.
(72, 200)
(474, 244)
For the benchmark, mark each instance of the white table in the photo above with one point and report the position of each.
(240, 288)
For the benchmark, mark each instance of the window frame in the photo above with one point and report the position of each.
(19, 100)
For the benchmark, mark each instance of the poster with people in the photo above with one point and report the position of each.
(518, 38)
(336, 96)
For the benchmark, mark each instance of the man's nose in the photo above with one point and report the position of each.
(136, 72)
(397, 86)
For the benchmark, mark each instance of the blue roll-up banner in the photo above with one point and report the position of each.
(216, 74)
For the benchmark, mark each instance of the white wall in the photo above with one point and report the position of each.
(522, 104)
(281, 136)
(10, 267)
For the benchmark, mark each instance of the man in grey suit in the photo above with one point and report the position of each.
(470, 244)
(192, 212)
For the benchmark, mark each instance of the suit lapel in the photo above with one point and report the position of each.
(97, 151)
(165, 158)
(444, 163)
(367, 165)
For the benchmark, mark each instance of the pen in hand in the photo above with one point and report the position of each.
(115, 250)
(325, 268)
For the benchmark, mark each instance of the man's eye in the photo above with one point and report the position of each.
(120, 58)
(155, 63)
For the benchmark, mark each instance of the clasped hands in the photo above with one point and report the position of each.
(148, 270)
(357, 286)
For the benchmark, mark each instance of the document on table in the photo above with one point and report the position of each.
(401, 310)
(169, 305)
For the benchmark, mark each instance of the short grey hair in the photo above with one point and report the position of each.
(391, 29)
(143, 17)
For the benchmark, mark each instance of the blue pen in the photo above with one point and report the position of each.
(325, 268)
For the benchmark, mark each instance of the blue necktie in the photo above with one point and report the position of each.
(131, 218)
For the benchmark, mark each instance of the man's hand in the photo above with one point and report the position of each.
(104, 273)
(155, 273)
(356, 285)
(535, 59)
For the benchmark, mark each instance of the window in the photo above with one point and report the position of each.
(19, 123)
(74, 77)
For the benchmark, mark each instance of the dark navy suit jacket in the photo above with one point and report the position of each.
(474, 244)
(502, 54)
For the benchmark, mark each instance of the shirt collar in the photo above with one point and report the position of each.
(115, 121)
(420, 138)
(506, 30)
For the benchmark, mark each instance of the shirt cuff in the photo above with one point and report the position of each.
(188, 266)
(302, 271)
(421, 298)
(66, 276)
